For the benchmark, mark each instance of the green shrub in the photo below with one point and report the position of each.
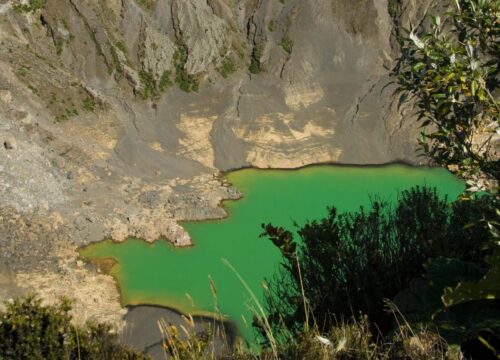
(59, 45)
(350, 263)
(468, 236)
(287, 44)
(450, 73)
(148, 4)
(32, 5)
(255, 65)
(33, 89)
(270, 26)
(393, 6)
(227, 67)
(149, 87)
(88, 104)
(121, 45)
(29, 330)
(186, 82)
(24, 70)
(165, 81)
(116, 64)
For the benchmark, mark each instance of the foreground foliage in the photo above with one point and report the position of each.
(451, 72)
(29, 330)
(349, 263)
(344, 341)
(346, 264)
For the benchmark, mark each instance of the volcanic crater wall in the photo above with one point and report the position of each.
(116, 116)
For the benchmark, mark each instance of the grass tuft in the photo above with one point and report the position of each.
(287, 44)
(227, 68)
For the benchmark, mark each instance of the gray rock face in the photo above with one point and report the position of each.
(195, 20)
(321, 93)
(156, 51)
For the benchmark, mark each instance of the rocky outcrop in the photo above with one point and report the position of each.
(156, 51)
(195, 20)
(94, 295)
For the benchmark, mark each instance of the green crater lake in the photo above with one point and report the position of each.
(179, 278)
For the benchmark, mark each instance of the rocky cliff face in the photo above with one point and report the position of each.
(117, 115)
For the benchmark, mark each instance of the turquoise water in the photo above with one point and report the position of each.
(179, 278)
